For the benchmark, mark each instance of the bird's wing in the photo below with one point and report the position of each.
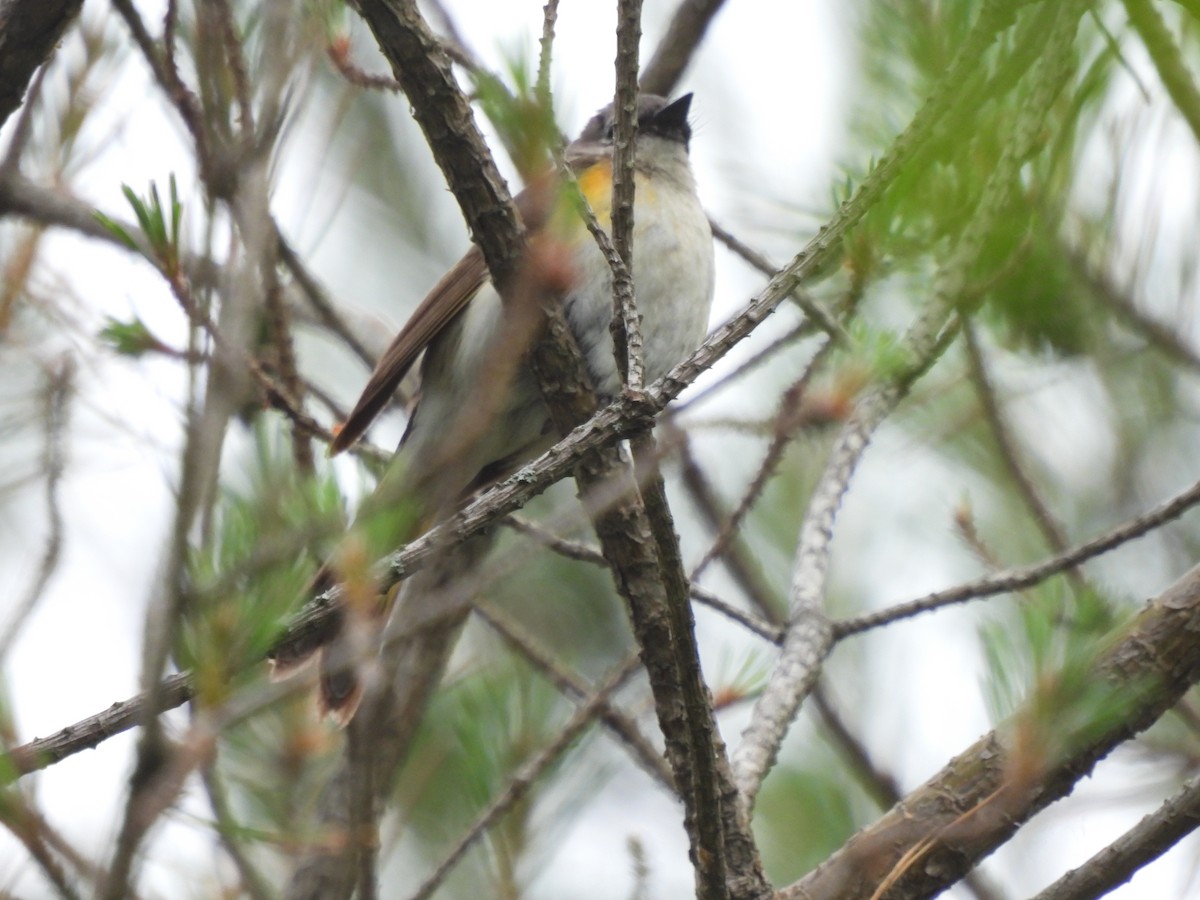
(447, 299)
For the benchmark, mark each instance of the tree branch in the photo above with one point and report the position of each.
(675, 50)
(94, 730)
(523, 780)
(1153, 836)
(942, 829)
(29, 32)
(423, 70)
(1022, 577)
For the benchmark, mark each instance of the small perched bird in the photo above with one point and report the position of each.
(479, 414)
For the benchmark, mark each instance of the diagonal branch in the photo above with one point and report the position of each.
(624, 729)
(29, 32)
(1022, 577)
(684, 34)
(521, 782)
(176, 690)
(423, 69)
(1153, 836)
(979, 799)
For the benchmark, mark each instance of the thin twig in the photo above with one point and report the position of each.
(1022, 577)
(766, 630)
(527, 775)
(551, 540)
(1162, 337)
(235, 57)
(732, 551)
(277, 394)
(1051, 529)
(586, 553)
(58, 392)
(755, 362)
(1153, 836)
(165, 73)
(881, 785)
(450, 26)
(788, 421)
(803, 299)
(339, 54)
(285, 359)
(321, 302)
(624, 729)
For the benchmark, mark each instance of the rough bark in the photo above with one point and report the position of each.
(978, 801)
(29, 32)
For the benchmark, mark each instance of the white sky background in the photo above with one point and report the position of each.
(769, 122)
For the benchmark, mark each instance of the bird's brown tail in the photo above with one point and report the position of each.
(349, 622)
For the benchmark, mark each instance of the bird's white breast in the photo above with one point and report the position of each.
(673, 283)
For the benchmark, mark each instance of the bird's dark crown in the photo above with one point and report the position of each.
(657, 117)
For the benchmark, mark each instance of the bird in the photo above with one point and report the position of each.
(479, 414)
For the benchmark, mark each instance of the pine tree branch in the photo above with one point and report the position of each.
(979, 800)
(29, 32)
(675, 50)
(523, 780)
(423, 70)
(94, 730)
(1153, 836)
